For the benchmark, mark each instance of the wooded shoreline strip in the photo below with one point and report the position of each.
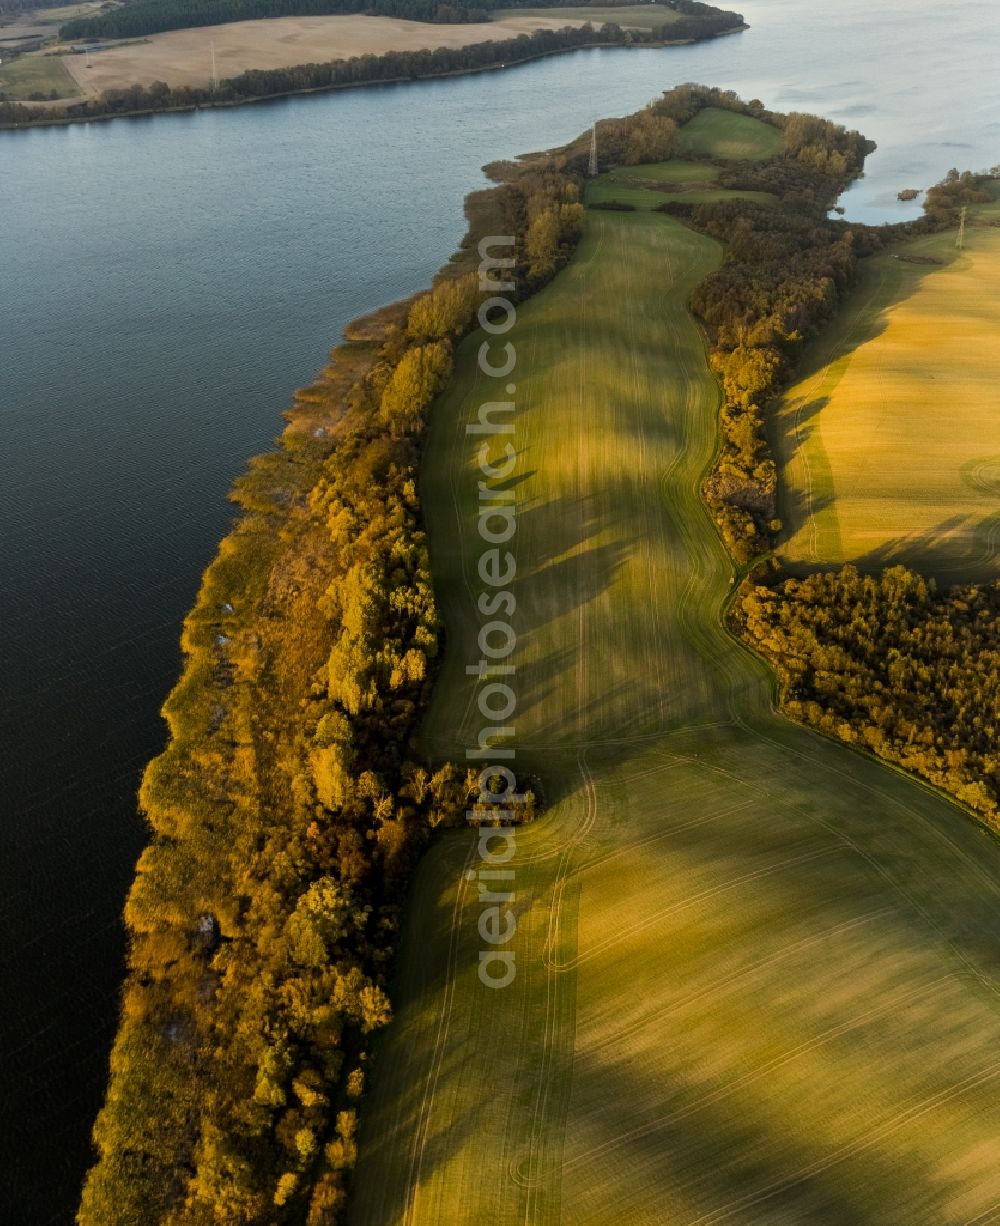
(288, 807)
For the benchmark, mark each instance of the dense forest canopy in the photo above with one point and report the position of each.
(142, 17)
(955, 191)
(889, 664)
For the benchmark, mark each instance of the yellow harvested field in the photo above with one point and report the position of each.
(891, 443)
(184, 57)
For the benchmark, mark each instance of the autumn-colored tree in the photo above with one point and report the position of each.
(447, 311)
(888, 663)
(650, 138)
(416, 380)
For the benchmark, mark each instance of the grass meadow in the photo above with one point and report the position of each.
(647, 192)
(634, 16)
(675, 173)
(716, 133)
(756, 974)
(679, 180)
(890, 443)
(25, 75)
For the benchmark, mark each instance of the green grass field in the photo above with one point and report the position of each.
(715, 133)
(676, 171)
(636, 16)
(890, 442)
(757, 975)
(30, 74)
(68, 12)
(644, 187)
(607, 187)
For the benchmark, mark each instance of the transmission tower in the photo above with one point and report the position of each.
(593, 151)
(215, 75)
(960, 241)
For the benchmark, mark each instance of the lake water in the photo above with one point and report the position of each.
(164, 284)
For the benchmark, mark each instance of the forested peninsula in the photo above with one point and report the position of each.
(695, 22)
(291, 803)
(288, 808)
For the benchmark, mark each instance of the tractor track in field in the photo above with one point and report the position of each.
(876, 1134)
(419, 1146)
(763, 1070)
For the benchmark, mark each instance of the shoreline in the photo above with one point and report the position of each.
(59, 121)
(246, 711)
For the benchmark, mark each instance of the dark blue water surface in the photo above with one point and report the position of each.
(164, 284)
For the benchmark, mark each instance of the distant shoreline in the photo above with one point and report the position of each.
(634, 39)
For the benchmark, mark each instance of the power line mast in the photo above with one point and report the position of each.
(592, 169)
(215, 75)
(960, 241)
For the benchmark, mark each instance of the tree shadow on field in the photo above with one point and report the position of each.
(509, 484)
(754, 1163)
(496, 455)
(963, 548)
(706, 1126)
(862, 322)
(742, 1165)
(789, 430)
(796, 507)
(574, 565)
(790, 425)
(630, 340)
(565, 555)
